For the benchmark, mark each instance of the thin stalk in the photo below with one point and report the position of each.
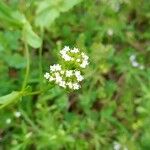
(40, 59)
(34, 93)
(27, 66)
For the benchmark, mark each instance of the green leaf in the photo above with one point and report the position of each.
(16, 60)
(31, 37)
(15, 18)
(62, 102)
(48, 11)
(10, 16)
(68, 4)
(10, 98)
(9, 37)
(49, 17)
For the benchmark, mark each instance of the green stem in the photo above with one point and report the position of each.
(34, 93)
(28, 65)
(40, 59)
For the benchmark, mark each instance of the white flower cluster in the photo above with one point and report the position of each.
(118, 146)
(69, 75)
(74, 56)
(135, 63)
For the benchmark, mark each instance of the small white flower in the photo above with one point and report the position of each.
(58, 78)
(117, 146)
(82, 54)
(80, 78)
(55, 67)
(135, 64)
(8, 121)
(56, 74)
(58, 67)
(77, 73)
(69, 73)
(69, 84)
(62, 84)
(63, 52)
(17, 114)
(78, 60)
(76, 86)
(52, 68)
(110, 32)
(85, 57)
(84, 64)
(66, 57)
(51, 78)
(75, 50)
(84, 61)
(62, 72)
(132, 57)
(46, 75)
(66, 48)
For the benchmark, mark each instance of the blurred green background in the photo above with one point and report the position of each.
(112, 109)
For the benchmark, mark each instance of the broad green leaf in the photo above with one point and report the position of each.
(68, 4)
(9, 37)
(48, 11)
(10, 99)
(46, 18)
(15, 18)
(10, 16)
(31, 37)
(16, 60)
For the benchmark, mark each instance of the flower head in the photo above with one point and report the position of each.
(75, 57)
(68, 75)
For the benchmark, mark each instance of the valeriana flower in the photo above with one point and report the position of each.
(110, 32)
(17, 114)
(76, 86)
(68, 75)
(135, 63)
(55, 67)
(74, 57)
(79, 76)
(46, 75)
